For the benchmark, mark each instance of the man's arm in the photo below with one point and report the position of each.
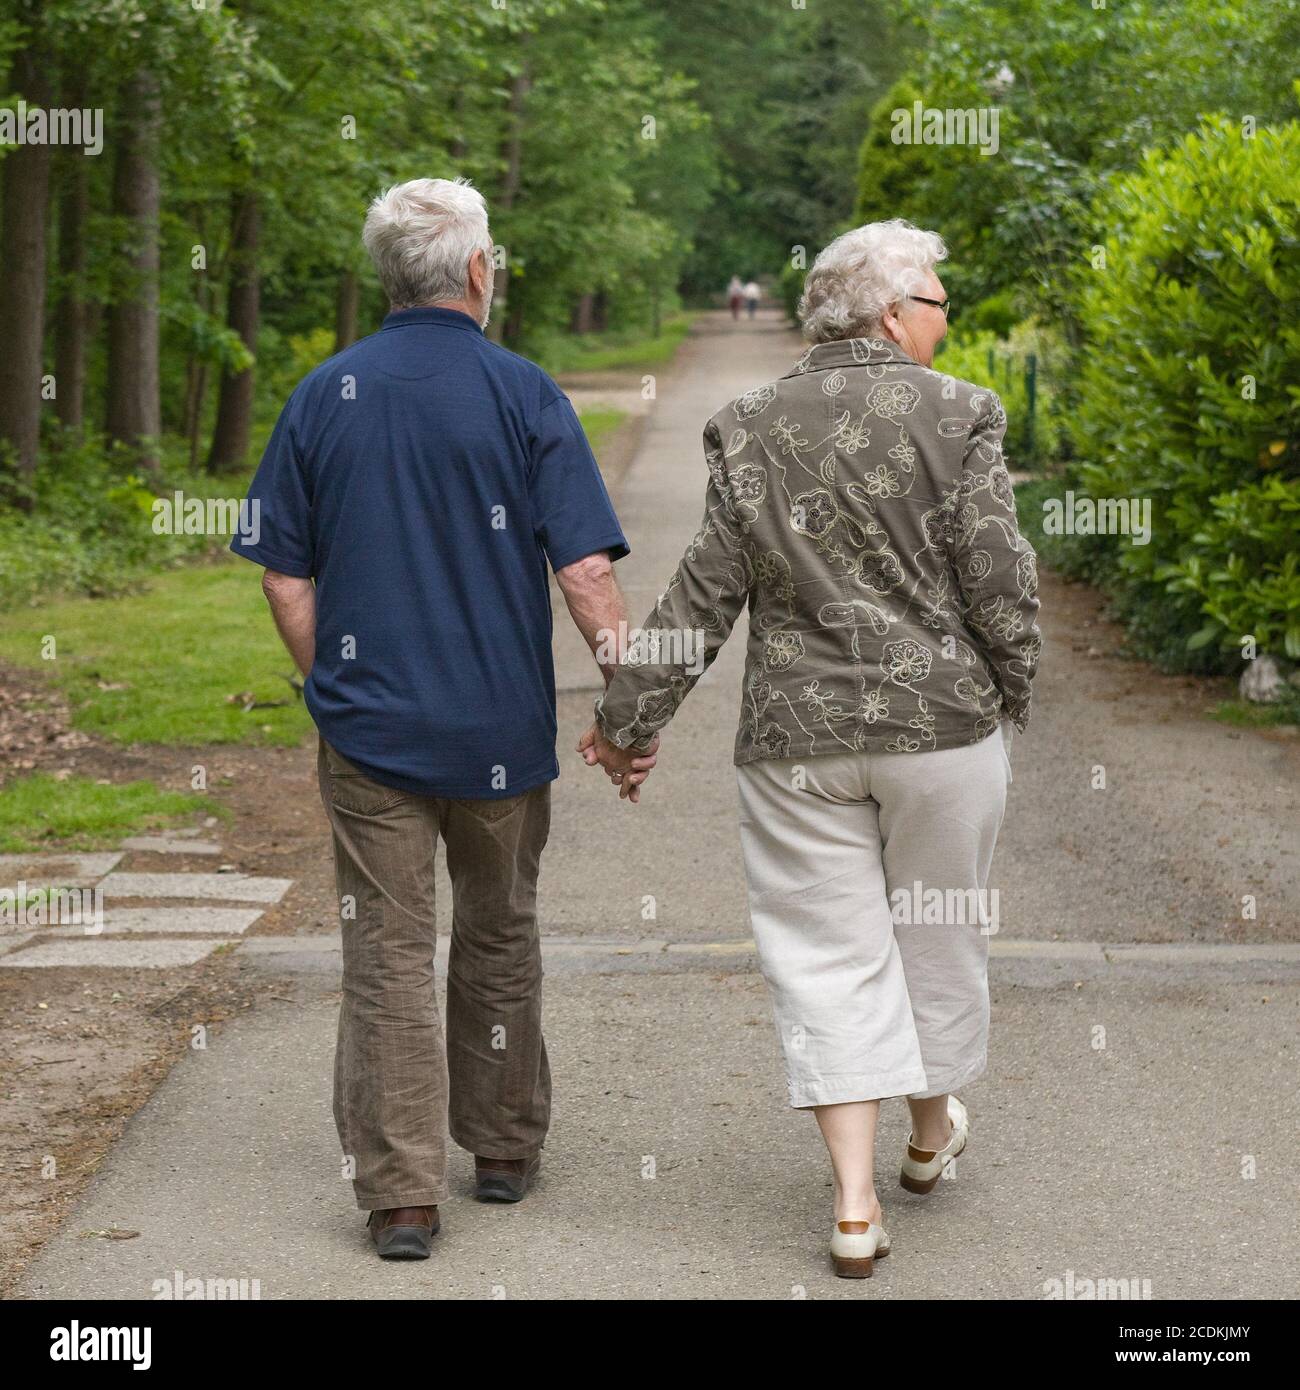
(599, 612)
(597, 607)
(293, 606)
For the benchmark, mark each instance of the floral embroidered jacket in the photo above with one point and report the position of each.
(862, 508)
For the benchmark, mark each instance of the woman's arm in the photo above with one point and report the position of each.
(997, 571)
(685, 630)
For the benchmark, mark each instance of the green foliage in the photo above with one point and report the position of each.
(79, 813)
(614, 351)
(1080, 93)
(1002, 364)
(787, 91)
(91, 527)
(894, 177)
(1188, 394)
(995, 314)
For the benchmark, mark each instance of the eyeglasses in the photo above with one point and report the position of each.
(938, 303)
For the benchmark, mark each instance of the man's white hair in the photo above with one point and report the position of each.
(862, 274)
(421, 236)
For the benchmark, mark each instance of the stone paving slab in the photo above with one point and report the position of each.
(170, 921)
(246, 888)
(57, 870)
(170, 844)
(118, 954)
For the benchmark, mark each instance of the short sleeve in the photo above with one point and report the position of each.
(572, 514)
(275, 525)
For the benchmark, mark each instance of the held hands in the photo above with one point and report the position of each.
(626, 768)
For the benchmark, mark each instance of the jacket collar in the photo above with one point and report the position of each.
(849, 352)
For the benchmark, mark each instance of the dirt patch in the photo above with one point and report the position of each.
(81, 1052)
(36, 731)
(1106, 673)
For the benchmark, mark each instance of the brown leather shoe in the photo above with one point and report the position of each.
(504, 1179)
(404, 1233)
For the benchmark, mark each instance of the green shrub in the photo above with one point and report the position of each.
(995, 314)
(1002, 364)
(90, 528)
(789, 286)
(1189, 393)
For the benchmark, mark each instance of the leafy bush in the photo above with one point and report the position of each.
(90, 529)
(1188, 393)
(1002, 364)
(995, 314)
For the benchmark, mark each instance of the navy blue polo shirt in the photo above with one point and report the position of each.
(424, 478)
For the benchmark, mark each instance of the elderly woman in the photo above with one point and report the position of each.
(860, 506)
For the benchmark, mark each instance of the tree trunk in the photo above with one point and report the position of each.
(134, 414)
(234, 426)
(345, 310)
(71, 322)
(582, 313)
(196, 390)
(26, 182)
(505, 199)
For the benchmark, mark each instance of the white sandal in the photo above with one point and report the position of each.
(855, 1246)
(922, 1168)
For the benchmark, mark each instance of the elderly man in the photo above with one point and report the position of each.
(412, 493)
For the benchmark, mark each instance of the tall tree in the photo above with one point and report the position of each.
(134, 407)
(23, 226)
(72, 318)
(233, 429)
(512, 158)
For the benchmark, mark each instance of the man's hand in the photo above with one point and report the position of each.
(626, 768)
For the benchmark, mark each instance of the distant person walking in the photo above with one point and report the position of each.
(735, 293)
(752, 295)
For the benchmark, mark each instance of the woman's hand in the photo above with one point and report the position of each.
(626, 768)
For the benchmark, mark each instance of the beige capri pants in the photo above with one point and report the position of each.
(867, 879)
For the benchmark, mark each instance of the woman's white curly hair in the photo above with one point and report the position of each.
(862, 274)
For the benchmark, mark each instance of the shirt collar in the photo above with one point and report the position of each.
(448, 318)
(849, 352)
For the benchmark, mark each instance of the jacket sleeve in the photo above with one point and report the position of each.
(996, 567)
(685, 630)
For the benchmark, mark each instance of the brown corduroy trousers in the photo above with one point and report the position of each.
(398, 1088)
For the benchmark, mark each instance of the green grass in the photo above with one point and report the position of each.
(605, 352)
(599, 424)
(40, 811)
(1244, 714)
(157, 666)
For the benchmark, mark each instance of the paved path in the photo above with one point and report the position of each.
(1137, 1120)
(88, 927)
